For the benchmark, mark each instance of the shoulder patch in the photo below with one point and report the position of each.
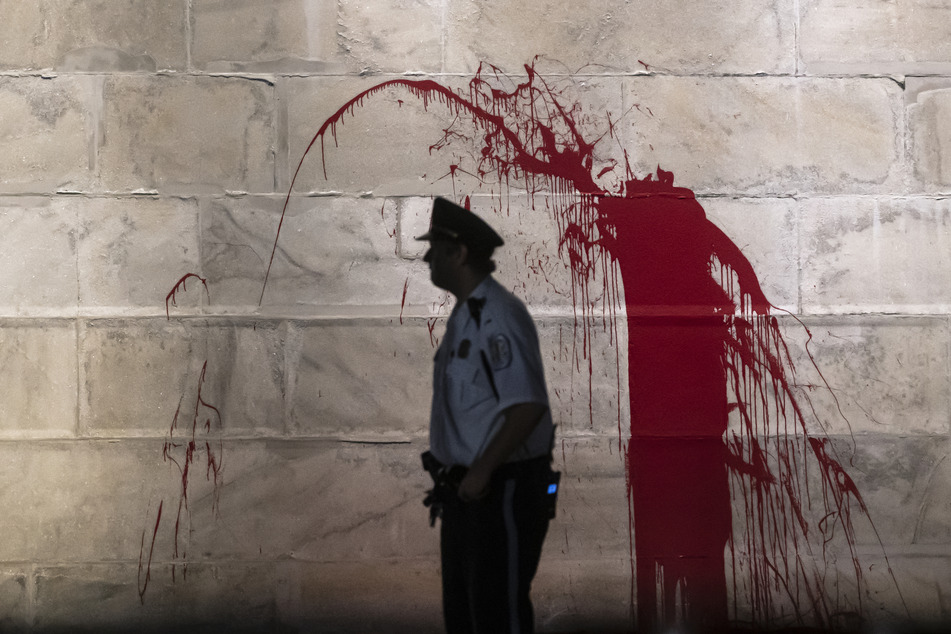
(500, 352)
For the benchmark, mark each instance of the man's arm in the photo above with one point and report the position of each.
(520, 421)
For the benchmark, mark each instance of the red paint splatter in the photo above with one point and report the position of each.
(201, 439)
(403, 302)
(180, 285)
(704, 344)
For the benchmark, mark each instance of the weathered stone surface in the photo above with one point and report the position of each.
(392, 36)
(766, 135)
(876, 255)
(43, 132)
(290, 36)
(79, 501)
(903, 36)
(93, 36)
(360, 379)
(14, 598)
(38, 265)
(220, 597)
(403, 597)
(39, 382)
(187, 134)
(930, 133)
(132, 252)
(604, 37)
(766, 231)
(886, 374)
(136, 375)
(332, 253)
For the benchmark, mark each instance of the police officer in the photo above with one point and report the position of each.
(490, 414)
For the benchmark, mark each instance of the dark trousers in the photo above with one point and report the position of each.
(490, 550)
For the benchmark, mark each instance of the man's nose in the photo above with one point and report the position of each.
(429, 255)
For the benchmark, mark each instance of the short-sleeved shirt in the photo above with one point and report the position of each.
(489, 360)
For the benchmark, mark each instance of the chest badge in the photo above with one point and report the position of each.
(464, 346)
(500, 352)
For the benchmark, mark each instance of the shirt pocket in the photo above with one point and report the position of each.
(470, 386)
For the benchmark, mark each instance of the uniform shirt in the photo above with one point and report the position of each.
(488, 361)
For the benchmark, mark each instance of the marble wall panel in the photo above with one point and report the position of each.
(137, 374)
(586, 372)
(614, 36)
(766, 230)
(334, 254)
(133, 250)
(290, 36)
(768, 135)
(876, 255)
(43, 133)
(887, 375)
(383, 146)
(392, 36)
(94, 36)
(901, 479)
(106, 598)
(179, 133)
(39, 384)
(906, 36)
(77, 501)
(14, 598)
(38, 264)
(360, 379)
(403, 597)
(317, 501)
(929, 132)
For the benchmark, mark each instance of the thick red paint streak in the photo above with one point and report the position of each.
(719, 428)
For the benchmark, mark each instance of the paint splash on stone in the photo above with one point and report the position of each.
(724, 449)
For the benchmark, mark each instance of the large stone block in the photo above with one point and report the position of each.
(105, 597)
(72, 501)
(766, 231)
(767, 135)
(43, 133)
(334, 255)
(137, 375)
(38, 384)
(133, 250)
(876, 255)
(901, 37)
(392, 36)
(285, 36)
(884, 375)
(930, 133)
(187, 134)
(320, 501)
(586, 372)
(14, 598)
(360, 379)
(398, 596)
(38, 265)
(601, 37)
(94, 36)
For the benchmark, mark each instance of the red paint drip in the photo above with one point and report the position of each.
(201, 439)
(180, 285)
(704, 346)
(403, 302)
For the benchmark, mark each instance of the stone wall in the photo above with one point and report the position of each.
(183, 450)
